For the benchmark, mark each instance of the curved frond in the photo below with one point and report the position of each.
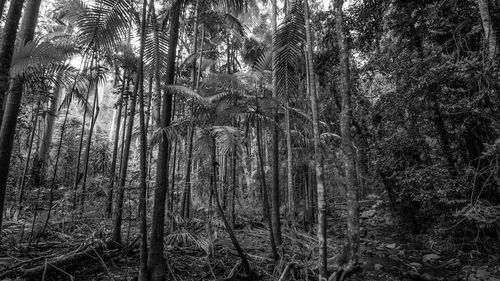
(33, 54)
(186, 92)
(102, 25)
(150, 58)
(288, 42)
(226, 137)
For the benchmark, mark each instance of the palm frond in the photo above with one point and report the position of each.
(264, 62)
(186, 92)
(102, 25)
(174, 131)
(288, 41)
(221, 81)
(58, 74)
(226, 137)
(235, 23)
(236, 6)
(33, 54)
(150, 57)
(80, 97)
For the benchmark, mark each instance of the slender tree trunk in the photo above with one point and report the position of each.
(443, 136)
(7, 43)
(489, 32)
(143, 268)
(318, 158)
(156, 262)
(40, 165)
(232, 211)
(54, 173)
(112, 173)
(172, 186)
(118, 211)
(186, 194)
(353, 247)
(241, 253)
(95, 113)
(275, 213)
(80, 144)
(265, 200)
(289, 158)
(8, 123)
(196, 76)
(26, 165)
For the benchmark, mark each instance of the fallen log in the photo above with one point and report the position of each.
(64, 261)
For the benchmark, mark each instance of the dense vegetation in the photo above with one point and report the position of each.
(250, 140)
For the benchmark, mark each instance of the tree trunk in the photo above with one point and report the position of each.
(265, 200)
(118, 211)
(112, 173)
(95, 113)
(353, 247)
(275, 214)
(7, 44)
(8, 123)
(289, 160)
(196, 76)
(318, 158)
(143, 267)
(156, 262)
(186, 196)
(241, 253)
(80, 144)
(443, 136)
(26, 165)
(489, 32)
(40, 165)
(232, 211)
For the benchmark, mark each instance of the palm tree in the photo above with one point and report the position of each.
(155, 258)
(287, 46)
(275, 147)
(247, 271)
(318, 158)
(353, 247)
(143, 268)
(195, 77)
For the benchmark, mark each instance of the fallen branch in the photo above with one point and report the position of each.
(61, 262)
(285, 271)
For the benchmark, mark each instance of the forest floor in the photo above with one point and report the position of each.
(77, 251)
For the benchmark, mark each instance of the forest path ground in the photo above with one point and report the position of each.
(388, 252)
